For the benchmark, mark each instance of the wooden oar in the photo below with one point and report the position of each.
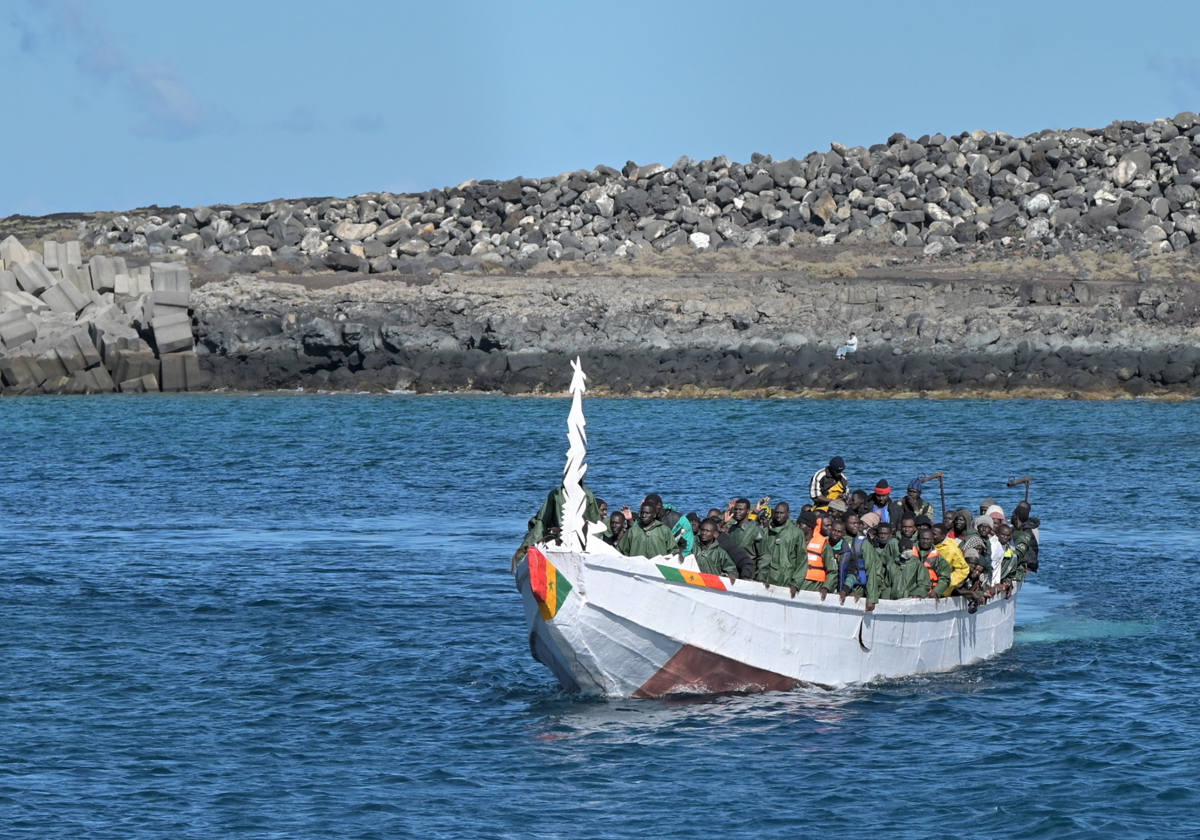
(941, 484)
(1014, 482)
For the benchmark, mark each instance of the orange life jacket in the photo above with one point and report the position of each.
(816, 557)
(933, 575)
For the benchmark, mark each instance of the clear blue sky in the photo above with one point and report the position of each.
(113, 104)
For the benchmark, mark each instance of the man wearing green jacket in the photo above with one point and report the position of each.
(923, 572)
(783, 550)
(649, 537)
(744, 531)
(710, 557)
(880, 553)
(547, 522)
(680, 527)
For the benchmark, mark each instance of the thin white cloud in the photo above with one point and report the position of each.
(167, 107)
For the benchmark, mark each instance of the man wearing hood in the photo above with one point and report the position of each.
(960, 524)
(829, 483)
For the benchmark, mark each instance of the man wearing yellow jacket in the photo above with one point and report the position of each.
(948, 548)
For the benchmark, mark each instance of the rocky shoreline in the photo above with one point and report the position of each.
(753, 334)
(1064, 262)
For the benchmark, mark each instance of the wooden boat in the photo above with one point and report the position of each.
(618, 626)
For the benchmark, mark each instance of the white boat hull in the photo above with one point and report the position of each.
(621, 627)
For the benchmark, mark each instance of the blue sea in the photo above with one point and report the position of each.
(290, 616)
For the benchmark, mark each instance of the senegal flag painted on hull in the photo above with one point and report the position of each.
(550, 588)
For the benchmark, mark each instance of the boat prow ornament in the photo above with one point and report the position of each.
(618, 626)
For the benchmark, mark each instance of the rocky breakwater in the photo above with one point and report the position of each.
(1130, 187)
(70, 327)
(753, 333)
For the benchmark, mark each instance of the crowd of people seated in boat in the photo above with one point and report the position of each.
(851, 544)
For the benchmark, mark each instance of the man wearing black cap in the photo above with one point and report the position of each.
(829, 483)
(881, 503)
(913, 503)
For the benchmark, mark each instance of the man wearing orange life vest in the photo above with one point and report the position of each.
(819, 571)
(923, 571)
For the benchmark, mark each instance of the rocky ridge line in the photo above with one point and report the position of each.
(1130, 187)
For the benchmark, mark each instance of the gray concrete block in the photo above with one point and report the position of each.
(161, 311)
(103, 273)
(79, 276)
(104, 383)
(134, 364)
(181, 372)
(8, 282)
(23, 301)
(21, 370)
(172, 333)
(52, 364)
(74, 256)
(77, 352)
(16, 328)
(30, 279)
(179, 298)
(13, 252)
(64, 297)
(141, 385)
(172, 276)
(50, 254)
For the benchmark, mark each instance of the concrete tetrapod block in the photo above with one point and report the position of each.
(181, 372)
(141, 385)
(52, 364)
(172, 333)
(179, 298)
(21, 370)
(170, 277)
(64, 297)
(79, 276)
(12, 251)
(24, 301)
(103, 273)
(16, 328)
(77, 351)
(32, 278)
(100, 381)
(134, 364)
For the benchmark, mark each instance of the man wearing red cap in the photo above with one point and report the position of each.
(881, 503)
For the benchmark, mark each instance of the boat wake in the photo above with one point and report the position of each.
(1045, 616)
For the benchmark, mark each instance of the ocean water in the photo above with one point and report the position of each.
(291, 617)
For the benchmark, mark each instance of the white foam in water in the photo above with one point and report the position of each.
(1041, 619)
